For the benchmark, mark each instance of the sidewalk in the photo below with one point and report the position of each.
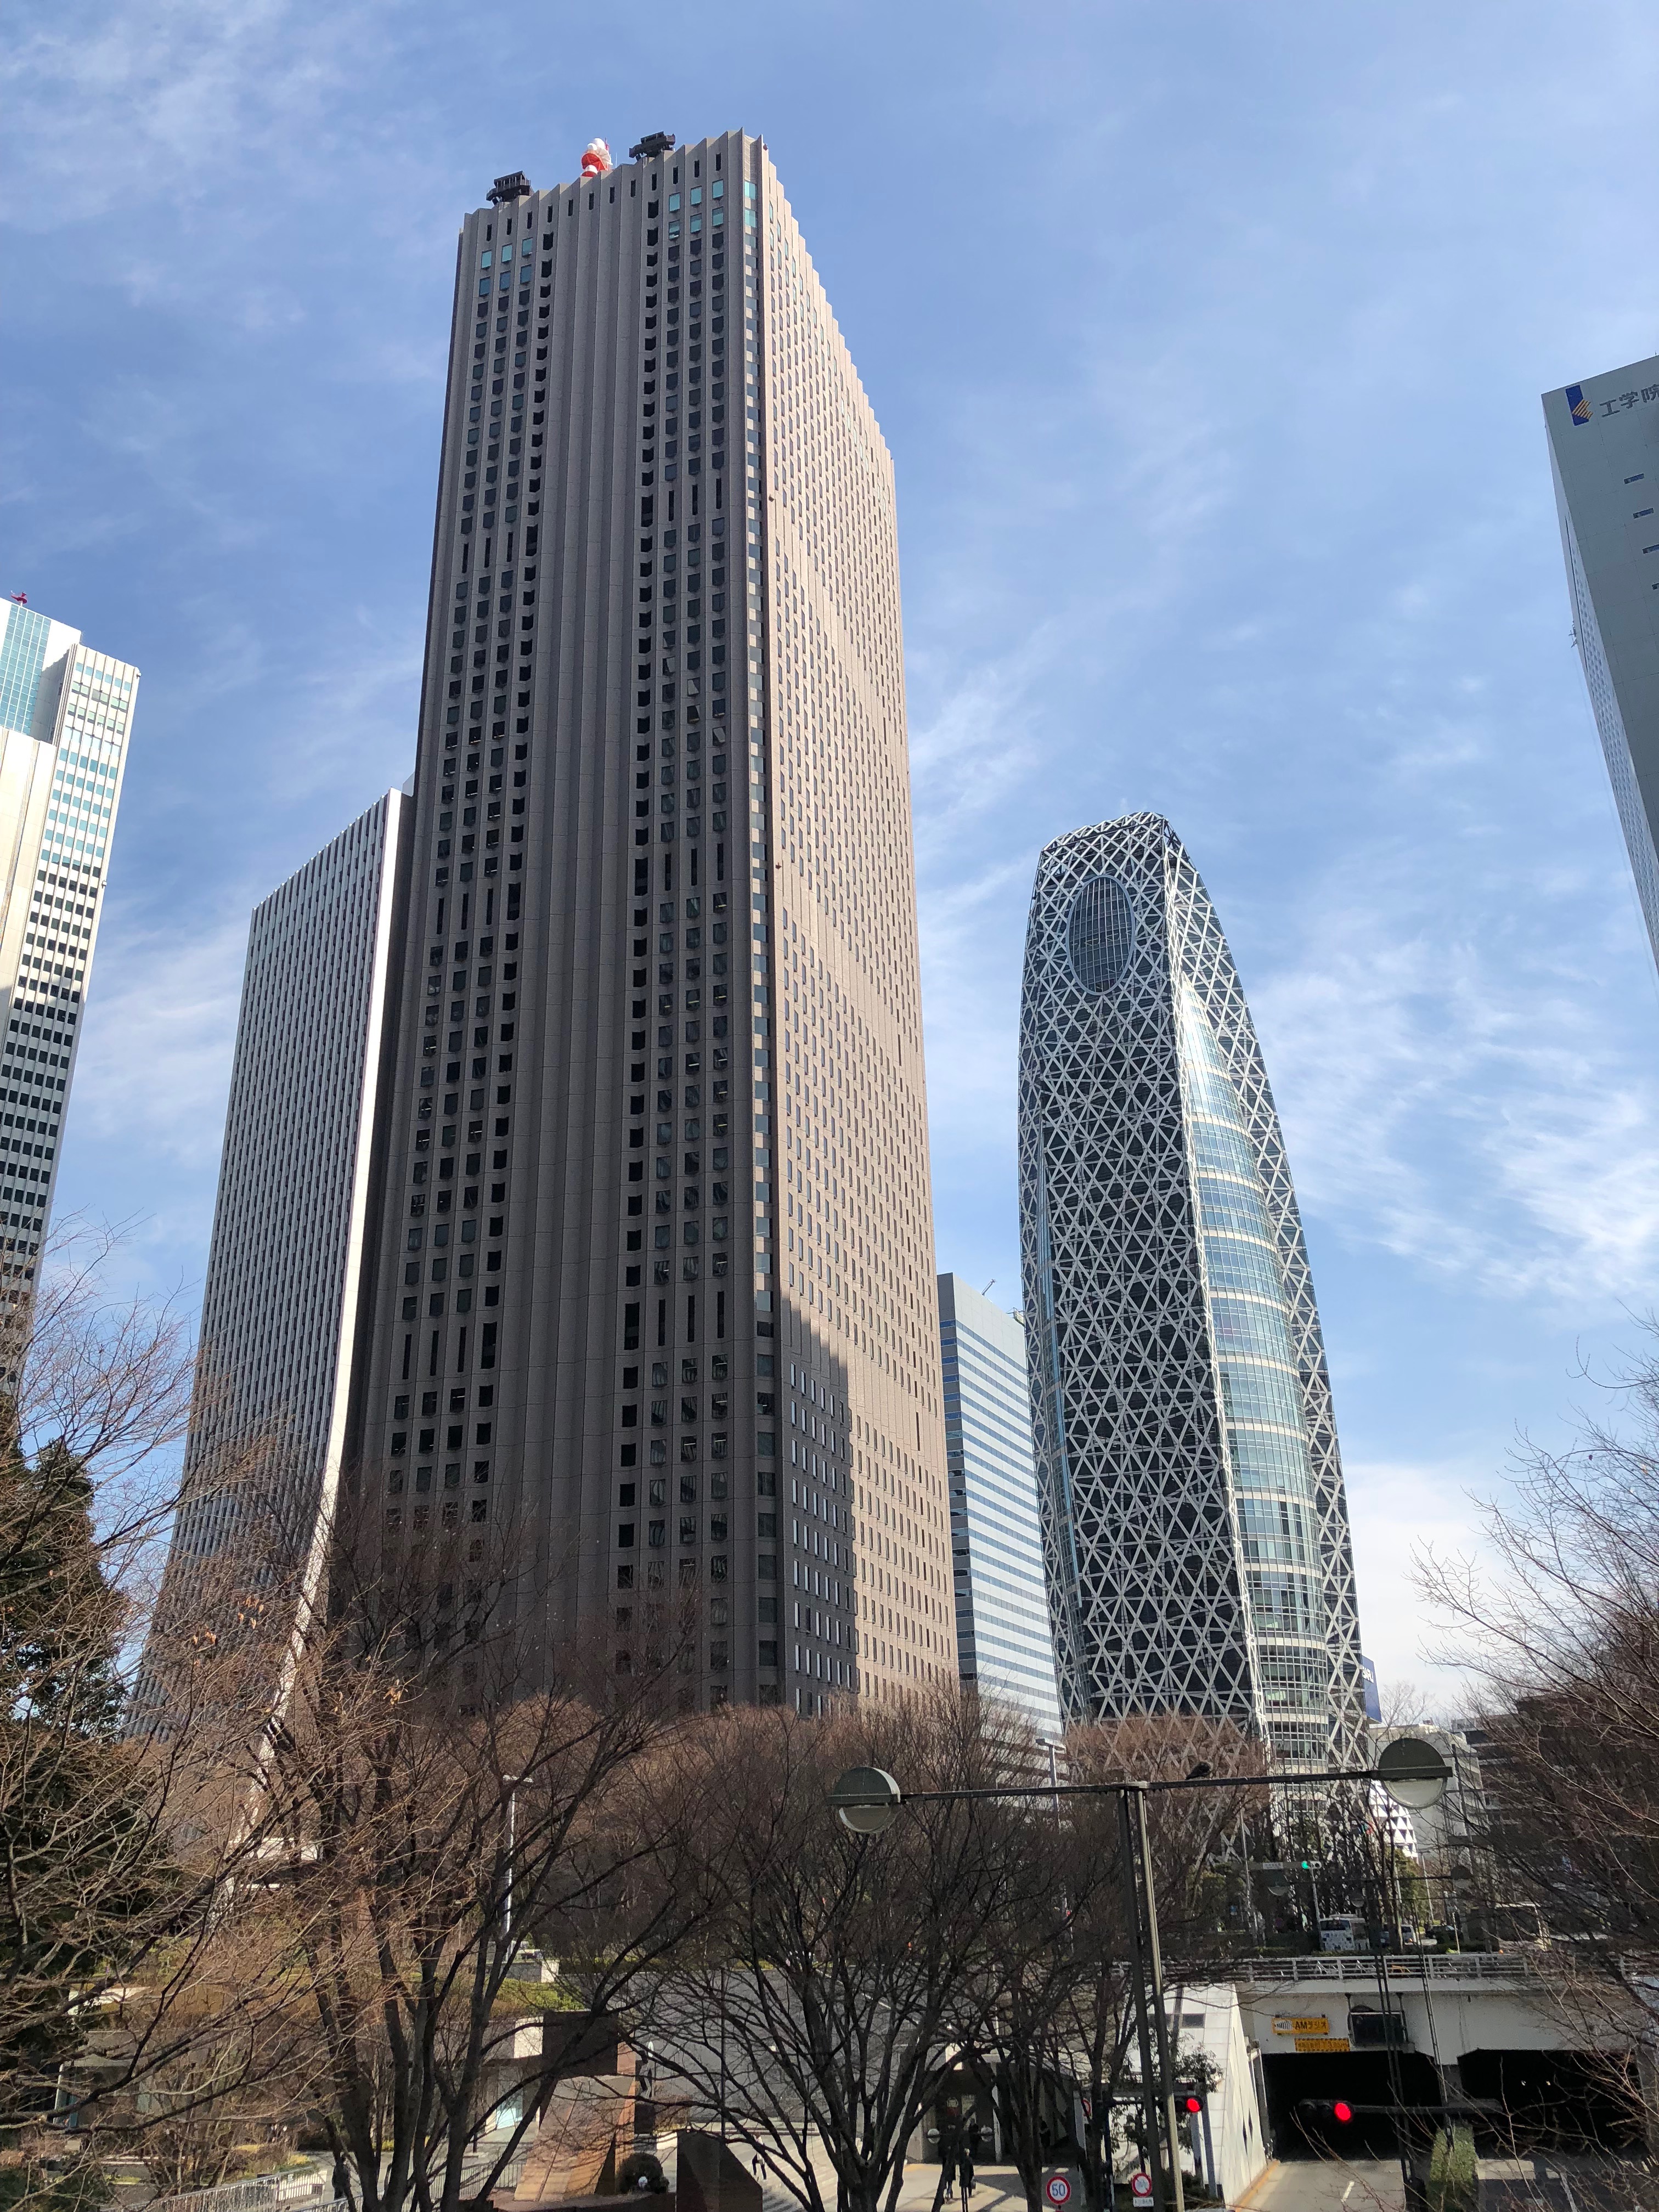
(996, 2189)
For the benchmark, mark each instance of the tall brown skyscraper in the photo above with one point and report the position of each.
(648, 1295)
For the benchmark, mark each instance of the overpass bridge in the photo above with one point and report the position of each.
(1496, 2030)
(1446, 2004)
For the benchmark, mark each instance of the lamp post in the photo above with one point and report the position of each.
(867, 1799)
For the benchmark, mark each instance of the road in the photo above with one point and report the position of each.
(1308, 2184)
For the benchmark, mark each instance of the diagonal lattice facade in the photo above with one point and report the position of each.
(1195, 1526)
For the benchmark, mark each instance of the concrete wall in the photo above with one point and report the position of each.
(1234, 2146)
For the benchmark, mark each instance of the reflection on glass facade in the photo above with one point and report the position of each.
(23, 657)
(1194, 1523)
(1003, 1639)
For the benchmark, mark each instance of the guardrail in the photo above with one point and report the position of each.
(308, 2190)
(1359, 1967)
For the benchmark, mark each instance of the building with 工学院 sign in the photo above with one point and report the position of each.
(1604, 455)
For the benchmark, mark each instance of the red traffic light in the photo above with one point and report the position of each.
(1342, 2112)
(1193, 2105)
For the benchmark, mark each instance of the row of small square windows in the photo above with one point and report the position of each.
(528, 244)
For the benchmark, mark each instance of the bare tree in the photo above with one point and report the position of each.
(438, 1821)
(1560, 1631)
(120, 1841)
(820, 2012)
(1093, 2038)
(97, 1394)
(1406, 1704)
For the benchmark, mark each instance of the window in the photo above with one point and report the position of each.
(1100, 934)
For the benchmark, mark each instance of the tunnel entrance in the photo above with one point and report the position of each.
(1528, 2101)
(1356, 2077)
(1556, 2099)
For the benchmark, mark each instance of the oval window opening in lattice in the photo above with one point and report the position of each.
(1100, 932)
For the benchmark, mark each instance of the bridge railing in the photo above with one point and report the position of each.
(1359, 1967)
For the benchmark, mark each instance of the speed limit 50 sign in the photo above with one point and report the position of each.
(1057, 2189)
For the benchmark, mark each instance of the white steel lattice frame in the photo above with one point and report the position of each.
(1148, 1578)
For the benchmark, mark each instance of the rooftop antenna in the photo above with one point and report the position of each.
(652, 146)
(986, 1293)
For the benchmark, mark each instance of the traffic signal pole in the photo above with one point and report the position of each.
(1161, 2142)
(1155, 1985)
(1150, 2129)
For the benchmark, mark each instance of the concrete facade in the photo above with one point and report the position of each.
(653, 1316)
(1451, 2004)
(298, 1187)
(1448, 1838)
(1230, 2140)
(65, 718)
(1604, 458)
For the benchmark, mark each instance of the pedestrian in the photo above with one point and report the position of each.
(965, 2167)
(947, 2167)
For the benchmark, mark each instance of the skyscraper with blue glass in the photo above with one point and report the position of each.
(1195, 1525)
(65, 714)
(1003, 1641)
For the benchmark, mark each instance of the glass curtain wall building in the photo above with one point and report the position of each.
(1604, 457)
(1003, 1640)
(1195, 1525)
(65, 717)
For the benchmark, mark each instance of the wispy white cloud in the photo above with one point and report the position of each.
(154, 1070)
(110, 109)
(1470, 1110)
(1398, 1510)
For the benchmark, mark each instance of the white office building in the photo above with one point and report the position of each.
(65, 715)
(1003, 1640)
(1604, 456)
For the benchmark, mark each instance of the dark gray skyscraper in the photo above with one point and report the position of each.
(1604, 456)
(652, 1316)
(630, 1302)
(1195, 1526)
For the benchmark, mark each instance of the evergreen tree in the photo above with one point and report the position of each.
(83, 1859)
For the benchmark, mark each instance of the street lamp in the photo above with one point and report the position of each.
(867, 1800)
(1413, 1772)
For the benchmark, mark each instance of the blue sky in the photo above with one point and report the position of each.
(1207, 336)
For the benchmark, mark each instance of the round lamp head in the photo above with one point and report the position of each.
(867, 1800)
(1413, 1772)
